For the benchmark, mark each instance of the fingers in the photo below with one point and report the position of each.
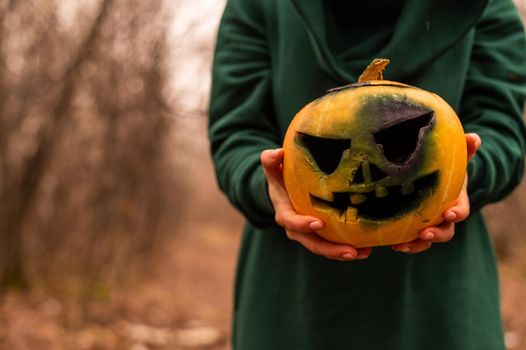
(437, 234)
(473, 142)
(445, 231)
(413, 247)
(301, 228)
(320, 246)
(271, 159)
(287, 218)
(460, 211)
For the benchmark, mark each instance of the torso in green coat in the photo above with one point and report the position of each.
(272, 58)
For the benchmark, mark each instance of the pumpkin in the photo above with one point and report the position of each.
(376, 161)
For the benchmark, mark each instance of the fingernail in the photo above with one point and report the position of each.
(348, 256)
(429, 235)
(405, 249)
(450, 216)
(275, 153)
(315, 225)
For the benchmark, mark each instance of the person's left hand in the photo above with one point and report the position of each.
(445, 231)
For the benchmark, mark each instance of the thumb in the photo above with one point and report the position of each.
(271, 160)
(473, 142)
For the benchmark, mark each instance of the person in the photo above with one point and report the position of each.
(294, 290)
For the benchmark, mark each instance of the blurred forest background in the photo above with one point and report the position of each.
(113, 234)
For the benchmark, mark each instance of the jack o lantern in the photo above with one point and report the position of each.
(376, 160)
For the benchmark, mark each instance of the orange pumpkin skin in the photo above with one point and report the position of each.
(400, 162)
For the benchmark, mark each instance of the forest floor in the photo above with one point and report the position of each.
(184, 304)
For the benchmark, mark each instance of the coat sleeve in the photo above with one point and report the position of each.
(493, 103)
(241, 122)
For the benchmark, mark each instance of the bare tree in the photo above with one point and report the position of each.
(83, 174)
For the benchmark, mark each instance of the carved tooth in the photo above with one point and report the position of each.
(343, 216)
(381, 191)
(407, 188)
(366, 172)
(351, 214)
(358, 198)
(353, 173)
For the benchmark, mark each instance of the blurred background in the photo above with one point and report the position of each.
(113, 234)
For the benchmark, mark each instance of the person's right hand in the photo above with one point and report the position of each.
(301, 228)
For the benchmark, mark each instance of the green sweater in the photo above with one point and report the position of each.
(274, 56)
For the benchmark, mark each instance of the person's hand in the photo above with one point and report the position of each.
(445, 231)
(301, 228)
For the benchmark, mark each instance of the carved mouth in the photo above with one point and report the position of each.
(380, 203)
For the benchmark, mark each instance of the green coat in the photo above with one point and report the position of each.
(274, 56)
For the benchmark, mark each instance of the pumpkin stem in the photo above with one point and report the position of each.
(374, 70)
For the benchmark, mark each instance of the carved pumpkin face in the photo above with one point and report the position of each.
(376, 161)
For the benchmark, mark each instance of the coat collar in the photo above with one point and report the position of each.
(429, 26)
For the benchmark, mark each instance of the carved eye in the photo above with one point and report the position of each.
(326, 152)
(400, 141)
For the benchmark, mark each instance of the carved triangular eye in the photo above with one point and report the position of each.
(401, 140)
(326, 152)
